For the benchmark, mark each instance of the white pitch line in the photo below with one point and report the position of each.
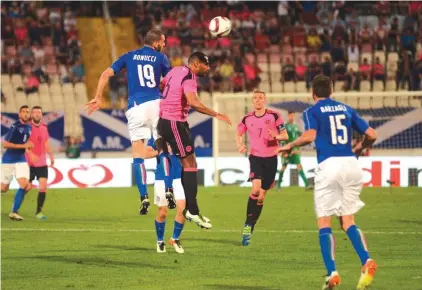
(212, 230)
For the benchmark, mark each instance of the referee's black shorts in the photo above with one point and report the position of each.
(264, 168)
(178, 135)
(38, 172)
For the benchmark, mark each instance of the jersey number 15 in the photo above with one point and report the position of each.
(336, 126)
(146, 73)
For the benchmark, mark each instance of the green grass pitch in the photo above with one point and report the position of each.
(95, 239)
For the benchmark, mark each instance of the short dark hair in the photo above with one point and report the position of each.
(23, 107)
(152, 36)
(321, 86)
(36, 108)
(200, 56)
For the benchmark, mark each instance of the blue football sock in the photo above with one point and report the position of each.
(19, 195)
(159, 229)
(178, 228)
(165, 163)
(358, 241)
(327, 244)
(140, 176)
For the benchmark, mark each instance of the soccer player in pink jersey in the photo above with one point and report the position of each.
(265, 129)
(38, 165)
(179, 95)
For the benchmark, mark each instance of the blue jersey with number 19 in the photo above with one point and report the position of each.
(144, 68)
(333, 122)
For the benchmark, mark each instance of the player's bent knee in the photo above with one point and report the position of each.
(23, 182)
(29, 187)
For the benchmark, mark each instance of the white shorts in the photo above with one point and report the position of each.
(338, 183)
(160, 192)
(18, 170)
(142, 120)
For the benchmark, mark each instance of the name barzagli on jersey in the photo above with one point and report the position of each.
(151, 58)
(337, 108)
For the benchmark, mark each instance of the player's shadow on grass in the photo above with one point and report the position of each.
(239, 287)
(217, 241)
(126, 248)
(97, 261)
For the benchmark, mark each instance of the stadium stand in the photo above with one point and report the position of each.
(275, 46)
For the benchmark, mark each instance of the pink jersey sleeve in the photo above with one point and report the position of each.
(241, 128)
(279, 123)
(190, 86)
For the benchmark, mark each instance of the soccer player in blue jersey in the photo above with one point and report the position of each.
(169, 193)
(338, 177)
(144, 67)
(13, 163)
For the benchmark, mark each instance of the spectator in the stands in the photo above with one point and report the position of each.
(300, 70)
(313, 40)
(408, 40)
(365, 70)
(326, 67)
(31, 83)
(325, 41)
(176, 60)
(352, 80)
(238, 82)
(353, 53)
(21, 31)
(312, 71)
(252, 72)
(78, 71)
(62, 52)
(226, 71)
(64, 73)
(8, 35)
(378, 70)
(34, 32)
(38, 54)
(57, 34)
(365, 35)
(340, 71)
(393, 35)
(337, 52)
(25, 51)
(289, 71)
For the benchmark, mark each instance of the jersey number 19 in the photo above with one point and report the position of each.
(146, 73)
(336, 126)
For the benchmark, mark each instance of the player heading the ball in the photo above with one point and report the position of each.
(265, 129)
(179, 95)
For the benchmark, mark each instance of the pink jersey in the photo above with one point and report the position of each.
(39, 136)
(174, 105)
(261, 142)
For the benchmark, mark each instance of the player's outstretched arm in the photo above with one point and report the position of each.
(95, 103)
(307, 137)
(49, 152)
(195, 103)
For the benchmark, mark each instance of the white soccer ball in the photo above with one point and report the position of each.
(220, 26)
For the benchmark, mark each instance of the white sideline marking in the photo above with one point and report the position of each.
(195, 231)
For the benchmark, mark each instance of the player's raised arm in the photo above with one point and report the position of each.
(95, 103)
(241, 129)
